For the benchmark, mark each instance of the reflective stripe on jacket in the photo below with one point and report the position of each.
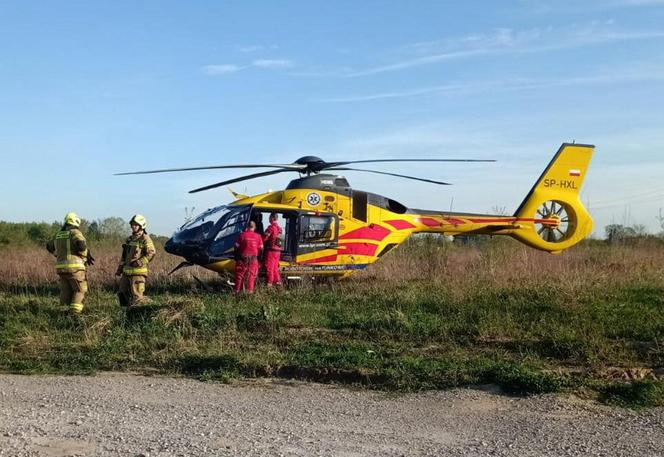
(140, 250)
(70, 258)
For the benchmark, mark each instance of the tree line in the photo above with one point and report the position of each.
(113, 229)
(110, 229)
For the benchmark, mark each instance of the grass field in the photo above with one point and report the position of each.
(430, 315)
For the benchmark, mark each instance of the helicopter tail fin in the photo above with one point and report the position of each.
(552, 217)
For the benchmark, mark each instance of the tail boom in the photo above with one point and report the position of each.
(551, 218)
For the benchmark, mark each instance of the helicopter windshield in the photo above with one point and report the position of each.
(209, 236)
(231, 225)
(206, 226)
(200, 228)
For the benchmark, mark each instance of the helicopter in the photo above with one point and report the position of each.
(334, 230)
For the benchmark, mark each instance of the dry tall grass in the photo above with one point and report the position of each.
(505, 263)
(496, 265)
(32, 268)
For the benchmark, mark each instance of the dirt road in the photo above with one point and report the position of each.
(126, 415)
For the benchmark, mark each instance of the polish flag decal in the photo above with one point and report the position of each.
(575, 172)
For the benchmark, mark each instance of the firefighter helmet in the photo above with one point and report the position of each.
(72, 219)
(139, 220)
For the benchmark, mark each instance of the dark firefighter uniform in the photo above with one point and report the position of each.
(71, 251)
(273, 246)
(247, 248)
(137, 252)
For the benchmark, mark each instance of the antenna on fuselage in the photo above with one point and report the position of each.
(189, 213)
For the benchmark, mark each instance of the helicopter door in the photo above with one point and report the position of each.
(290, 237)
(287, 221)
(317, 232)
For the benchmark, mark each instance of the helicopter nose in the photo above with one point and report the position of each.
(172, 247)
(193, 253)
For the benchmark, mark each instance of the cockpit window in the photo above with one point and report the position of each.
(233, 223)
(211, 215)
(201, 227)
(213, 224)
(229, 227)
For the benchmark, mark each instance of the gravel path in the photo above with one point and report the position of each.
(126, 415)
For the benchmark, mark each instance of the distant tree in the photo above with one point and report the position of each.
(85, 225)
(19, 233)
(114, 227)
(616, 233)
(660, 219)
(94, 232)
(39, 232)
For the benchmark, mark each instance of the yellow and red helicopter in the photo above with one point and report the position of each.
(332, 229)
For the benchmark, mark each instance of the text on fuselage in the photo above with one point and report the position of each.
(561, 184)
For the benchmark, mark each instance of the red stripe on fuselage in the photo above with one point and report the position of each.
(495, 219)
(486, 220)
(327, 258)
(357, 248)
(372, 232)
(400, 224)
(429, 222)
(512, 219)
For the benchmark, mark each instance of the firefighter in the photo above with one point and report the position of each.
(273, 246)
(71, 251)
(137, 252)
(247, 248)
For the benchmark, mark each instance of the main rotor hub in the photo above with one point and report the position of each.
(314, 164)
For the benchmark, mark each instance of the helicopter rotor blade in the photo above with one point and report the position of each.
(303, 167)
(286, 167)
(241, 178)
(392, 174)
(337, 164)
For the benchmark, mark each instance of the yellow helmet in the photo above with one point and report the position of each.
(72, 219)
(139, 220)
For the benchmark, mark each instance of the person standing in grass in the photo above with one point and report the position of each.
(273, 246)
(137, 252)
(247, 248)
(71, 251)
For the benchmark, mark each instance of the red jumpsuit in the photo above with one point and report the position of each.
(272, 253)
(248, 246)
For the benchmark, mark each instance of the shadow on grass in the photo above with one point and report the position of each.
(547, 348)
(141, 313)
(637, 394)
(157, 287)
(226, 366)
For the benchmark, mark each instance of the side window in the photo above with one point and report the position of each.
(316, 229)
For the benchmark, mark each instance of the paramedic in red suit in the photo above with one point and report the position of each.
(272, 251)
(247, 247)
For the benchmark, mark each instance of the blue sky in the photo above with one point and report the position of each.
(94, 88)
